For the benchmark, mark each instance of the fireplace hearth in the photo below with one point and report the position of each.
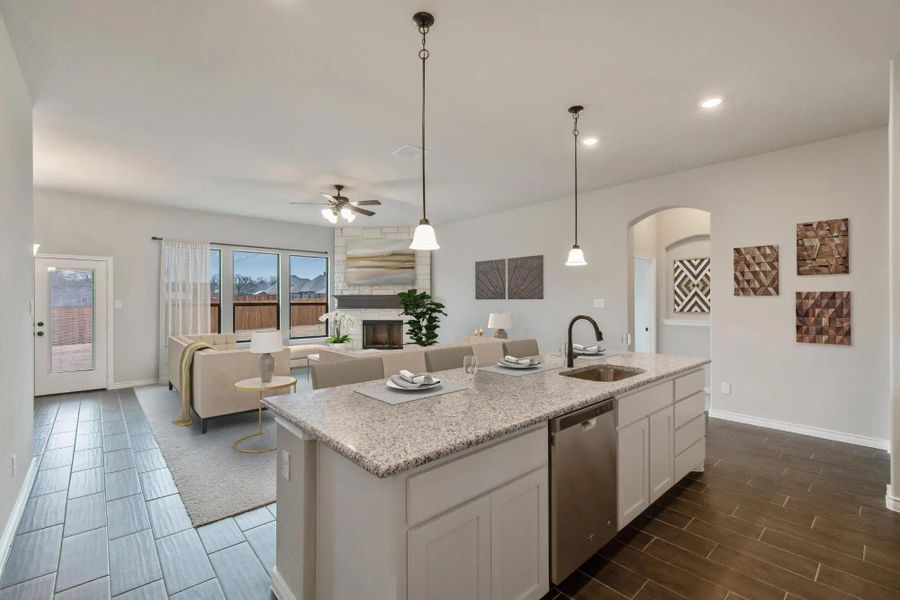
(382, 335)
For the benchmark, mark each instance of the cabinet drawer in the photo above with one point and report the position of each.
(686, 435)
(448, 485)
(690, 459)
(690, 408)
(689, 384)
(643, 403)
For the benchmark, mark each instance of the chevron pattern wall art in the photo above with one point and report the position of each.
(823, 318)
(756, 271)
(691, 289)
(823, 247)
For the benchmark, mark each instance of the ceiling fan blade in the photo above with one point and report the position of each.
(361, 211)
(329, 196)
(367, 203)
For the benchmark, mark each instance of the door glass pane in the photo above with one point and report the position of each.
(255, 293)
(215, 301)
(309, 296)
(71, 320)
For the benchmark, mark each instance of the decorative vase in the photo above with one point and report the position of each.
(341, 346)
(266, 367)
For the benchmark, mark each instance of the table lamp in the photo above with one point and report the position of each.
(501, 322)
(265, 343)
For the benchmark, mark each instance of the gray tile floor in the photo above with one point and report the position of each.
(105, 520)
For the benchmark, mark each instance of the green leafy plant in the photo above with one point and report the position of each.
(425, 313)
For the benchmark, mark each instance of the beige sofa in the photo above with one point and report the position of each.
(216, 370)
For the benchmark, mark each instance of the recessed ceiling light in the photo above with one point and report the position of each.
(711, 102)
(590, 141)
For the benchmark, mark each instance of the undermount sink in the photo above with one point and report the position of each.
(604, 373)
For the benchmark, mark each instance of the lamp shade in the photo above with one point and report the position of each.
(576, 257)
(266, 342)
(424, 237)
(500, 320)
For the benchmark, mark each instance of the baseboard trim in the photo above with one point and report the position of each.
(828, 434)
(280, 588)
(12, 525)
(891, 500)
(119, 385)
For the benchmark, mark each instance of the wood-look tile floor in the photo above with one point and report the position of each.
(104, 519)
(775, 516)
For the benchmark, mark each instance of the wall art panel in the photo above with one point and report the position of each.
(526, 278)
(490, 279)
(823, 318)
(691, 289)
(823, 247)
(756, 271)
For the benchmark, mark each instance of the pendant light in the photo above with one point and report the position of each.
(576, 256)
(424, 237)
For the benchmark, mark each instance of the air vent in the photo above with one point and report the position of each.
(409, 151)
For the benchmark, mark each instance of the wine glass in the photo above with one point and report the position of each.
(470, 365)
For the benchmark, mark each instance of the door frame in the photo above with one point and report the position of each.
(110, 305)
(652, 277)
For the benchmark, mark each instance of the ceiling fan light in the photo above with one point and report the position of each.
(424, 237)
(576, 257)
(329, 215)
(347, 214)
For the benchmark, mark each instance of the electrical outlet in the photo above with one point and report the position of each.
(726, 388)
(14, 466)
(599, 303)
(286, 464)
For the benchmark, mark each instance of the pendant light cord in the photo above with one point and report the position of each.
(575, 133)
(423, 55)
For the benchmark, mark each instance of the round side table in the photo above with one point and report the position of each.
(255, 384)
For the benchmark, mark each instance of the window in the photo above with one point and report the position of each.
(309, 296)
(215, 291)
(255, 293)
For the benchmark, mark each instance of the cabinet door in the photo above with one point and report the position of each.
(633, 476)
(449, 557)
(519, 539)
(662, 451)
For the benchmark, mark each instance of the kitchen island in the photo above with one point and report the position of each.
(448, 496)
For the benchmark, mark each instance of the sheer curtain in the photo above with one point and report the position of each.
(184, 294)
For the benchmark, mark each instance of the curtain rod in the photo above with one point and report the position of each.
(156, 238)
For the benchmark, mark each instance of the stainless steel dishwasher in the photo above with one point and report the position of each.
(582, 486)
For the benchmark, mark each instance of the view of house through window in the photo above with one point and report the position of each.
(215, 298)
(255, 292)
(309, 296)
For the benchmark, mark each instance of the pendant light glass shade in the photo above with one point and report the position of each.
(329, 215)
(424, 237)
(347, 214)
(576, 257)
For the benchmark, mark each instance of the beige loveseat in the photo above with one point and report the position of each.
(215, 372)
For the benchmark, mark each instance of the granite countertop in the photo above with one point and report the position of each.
(388, 439)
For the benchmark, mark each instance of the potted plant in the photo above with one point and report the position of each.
(425, 321)
(339, 321)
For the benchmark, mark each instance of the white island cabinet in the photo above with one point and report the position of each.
(448, 498)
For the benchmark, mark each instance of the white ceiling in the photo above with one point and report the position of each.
(241, 106)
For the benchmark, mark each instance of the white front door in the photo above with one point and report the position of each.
(644, 304)
(70, 325)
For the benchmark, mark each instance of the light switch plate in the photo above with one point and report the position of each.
(286, 464)
(118, 304)
(726, 388)
(599, 303)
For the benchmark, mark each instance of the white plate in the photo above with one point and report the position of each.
(503, 363)
(423, 388)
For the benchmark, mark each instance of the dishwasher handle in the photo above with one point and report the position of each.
(586, 417)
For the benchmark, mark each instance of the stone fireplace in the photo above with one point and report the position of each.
(382, 334)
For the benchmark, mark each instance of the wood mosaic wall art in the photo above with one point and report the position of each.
(823, 318)
(691, 289)
(526, 278)
(756, 271)
(490, 280)
(823, 247)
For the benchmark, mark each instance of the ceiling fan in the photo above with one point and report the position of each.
(340, 205)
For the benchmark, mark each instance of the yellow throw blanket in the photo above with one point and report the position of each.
(187, 364)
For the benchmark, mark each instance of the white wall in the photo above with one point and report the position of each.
(72, 224)
(16, 279)
(757, 200)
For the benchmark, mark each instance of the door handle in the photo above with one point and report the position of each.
(40, 333)
(40, 323)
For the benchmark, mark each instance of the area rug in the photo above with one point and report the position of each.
(213, 479)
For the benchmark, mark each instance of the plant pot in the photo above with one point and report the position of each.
(341, 346)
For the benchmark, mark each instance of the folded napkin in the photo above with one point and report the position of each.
(528, 360)
(595, 349)
(411, 381)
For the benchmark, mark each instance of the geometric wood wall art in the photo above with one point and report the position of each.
(756, 271)
(490, 280)
(691, 289)
(823, 247)
(526, 278)
(823, 318)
